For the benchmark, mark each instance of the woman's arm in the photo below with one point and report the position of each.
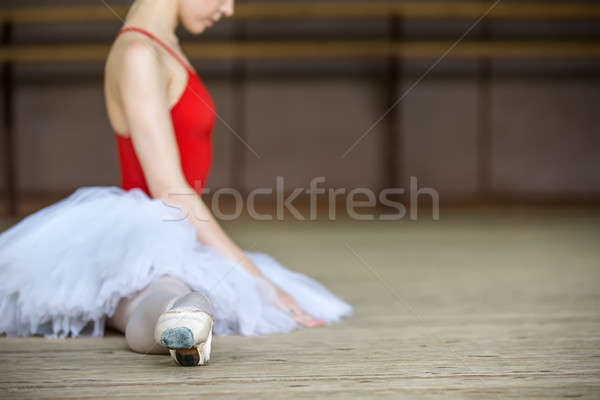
(143, 90)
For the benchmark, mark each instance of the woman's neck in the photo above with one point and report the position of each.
(156, 16)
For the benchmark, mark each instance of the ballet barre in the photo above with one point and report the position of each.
(328, 9)
(313, 49)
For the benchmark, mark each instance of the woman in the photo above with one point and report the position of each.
(148, 258)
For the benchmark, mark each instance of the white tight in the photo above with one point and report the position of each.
(137, 316)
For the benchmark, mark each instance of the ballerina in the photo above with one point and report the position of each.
(148, 258)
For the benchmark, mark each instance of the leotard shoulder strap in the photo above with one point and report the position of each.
(160, 42)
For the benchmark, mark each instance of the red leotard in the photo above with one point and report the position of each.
(193, 117)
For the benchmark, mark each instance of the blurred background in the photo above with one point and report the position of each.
(493, 104)
(507, 116)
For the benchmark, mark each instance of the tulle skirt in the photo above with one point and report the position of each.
(64, 269)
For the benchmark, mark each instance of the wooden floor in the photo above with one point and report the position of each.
(496, 304)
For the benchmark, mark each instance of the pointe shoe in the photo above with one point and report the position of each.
(185, 328)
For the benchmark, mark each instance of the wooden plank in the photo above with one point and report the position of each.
(239, 80)
(8, 124)
(419, 10)
(321, 49)
(477, 305)
(393, 145)
(327, 9)
(484, 119)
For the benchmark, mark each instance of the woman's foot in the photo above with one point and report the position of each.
(185, 328)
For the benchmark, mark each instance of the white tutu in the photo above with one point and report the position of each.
(64, 268)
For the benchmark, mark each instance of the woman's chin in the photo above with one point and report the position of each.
(197, 29)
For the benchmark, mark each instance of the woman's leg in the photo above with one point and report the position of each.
(136, 317)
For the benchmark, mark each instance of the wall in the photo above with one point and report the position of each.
(301, 116)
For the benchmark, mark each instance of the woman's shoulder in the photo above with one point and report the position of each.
(133, 53)
(134, 63)
(131, 66)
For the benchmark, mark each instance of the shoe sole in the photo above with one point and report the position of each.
(177, 338)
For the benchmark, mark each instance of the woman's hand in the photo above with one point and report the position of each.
(287, 303)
